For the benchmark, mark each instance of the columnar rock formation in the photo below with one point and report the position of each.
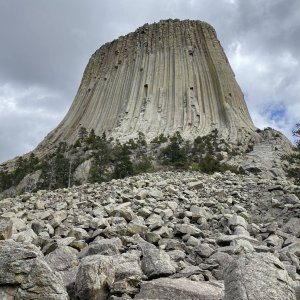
(164, 77)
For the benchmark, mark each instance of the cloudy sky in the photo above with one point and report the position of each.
(45, 46)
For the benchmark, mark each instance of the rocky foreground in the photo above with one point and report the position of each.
(154, 236)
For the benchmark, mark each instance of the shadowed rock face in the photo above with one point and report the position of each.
(164, 77)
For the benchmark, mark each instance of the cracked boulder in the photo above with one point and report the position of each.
(95, 276)
(26, 275)
(178, 289)
(257, 277)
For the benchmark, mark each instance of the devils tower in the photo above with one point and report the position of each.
(165, 77)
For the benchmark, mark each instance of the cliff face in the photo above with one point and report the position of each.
(164, 77)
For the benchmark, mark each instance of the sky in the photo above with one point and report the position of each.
(46, 44)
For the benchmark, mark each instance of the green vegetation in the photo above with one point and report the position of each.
(159, 139)
(296, 133)
(23, 167)
(123, 165)
(175, 153)
(112, 159)
(294, 159)
(56, 169)
(101, 158)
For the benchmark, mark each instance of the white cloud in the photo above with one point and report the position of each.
(45, 46)
(271, 86)
(25, 117)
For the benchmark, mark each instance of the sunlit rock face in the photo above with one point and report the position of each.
(164, 77)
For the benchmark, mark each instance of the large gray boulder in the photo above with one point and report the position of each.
(95, 276)
(179, 289)
(26, 275)
(6, 227)
(155, 262)
(297, 290)
(64, 261)
(104, 247)
(292, 227)
(257, 277)
(128, 273)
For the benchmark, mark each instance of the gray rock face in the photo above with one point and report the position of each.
(95, 275)
(258, 277)
(266, 156)
(104, 247)
(128, 273)
(195, 94)
(6, 227)
(82, 171)
(64, 261)
(155, 262)
(293, 227)
(178, 289)
(25, 274)
(297, 291)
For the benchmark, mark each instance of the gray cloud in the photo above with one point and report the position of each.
(45, 46)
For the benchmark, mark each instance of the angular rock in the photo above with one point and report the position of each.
(236, 220)
(57, 218)
(64, 261)
(292, 227)
(123, 211)
(128, 273)
(196, 185)
(99, 223)
(95, 276)
(204, 250)
(136, 228)
(192, 241)
(78, 233)
(155, 262)
(26, 275)
(258, 277)
(27, 236)
(37, 226)
(188, 229)
(104, 247)
(18, 225)
(6, 227)
(123, 297)
(155, 193)
(179, 289)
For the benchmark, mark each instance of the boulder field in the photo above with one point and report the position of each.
(165, 235)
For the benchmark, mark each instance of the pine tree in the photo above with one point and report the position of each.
(82, 134)
(294, 159)
(296, 133)
(123, 164)
(175, 153)
(92, 139)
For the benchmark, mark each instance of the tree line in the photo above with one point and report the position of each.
(111, 159)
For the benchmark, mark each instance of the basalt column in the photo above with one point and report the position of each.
(164, 77)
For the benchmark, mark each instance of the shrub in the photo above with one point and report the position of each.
(175, 153)
(123, 166)
(159, 139)
(294, 159)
